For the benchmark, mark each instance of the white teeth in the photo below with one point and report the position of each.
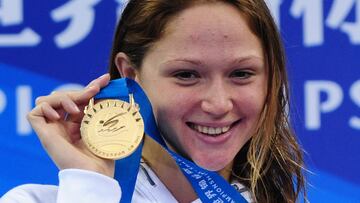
(225, 129)
(218, 130)
(205, 129)
(210, 130)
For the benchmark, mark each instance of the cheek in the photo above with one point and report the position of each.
(257, 104)
(259, 94)
(169, 122)
(170, 111)
(251, 100)
(251, 106)
(167, 109)
(172, 102)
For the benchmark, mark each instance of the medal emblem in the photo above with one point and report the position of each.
(111, 128)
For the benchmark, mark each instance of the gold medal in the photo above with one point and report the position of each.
(112, 129)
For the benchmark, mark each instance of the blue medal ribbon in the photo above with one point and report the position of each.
(209, 186)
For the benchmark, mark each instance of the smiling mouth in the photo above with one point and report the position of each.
(211, 131)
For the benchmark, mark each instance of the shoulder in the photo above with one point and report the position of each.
(31, 193)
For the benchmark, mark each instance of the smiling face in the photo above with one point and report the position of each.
(206, 79)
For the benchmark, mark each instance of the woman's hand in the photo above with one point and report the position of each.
(57, 118)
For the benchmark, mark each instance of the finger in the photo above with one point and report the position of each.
(74, 118)
(45, 111)
(101, 81)
(79, 97)
(40, 117)
(69, 105)
(74, 131)
(83, 97)
(52, 136)
(57, 99)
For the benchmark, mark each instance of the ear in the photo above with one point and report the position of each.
(124, 66)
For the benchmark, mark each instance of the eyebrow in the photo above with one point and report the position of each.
(198, 62)
(188, 60)
(248, 58)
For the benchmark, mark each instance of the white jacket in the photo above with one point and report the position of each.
(81, 186)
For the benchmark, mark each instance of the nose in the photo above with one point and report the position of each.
(217, 100)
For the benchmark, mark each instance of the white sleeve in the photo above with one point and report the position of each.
(82, 186)
(75, 186)
(31, 193)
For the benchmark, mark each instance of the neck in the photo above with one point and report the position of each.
(167, 171)
(226, 172)
(170, 174)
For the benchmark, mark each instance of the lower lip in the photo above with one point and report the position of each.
(219, 139)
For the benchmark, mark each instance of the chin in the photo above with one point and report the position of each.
(213, 163)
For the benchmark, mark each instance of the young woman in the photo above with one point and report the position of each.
(214, 72)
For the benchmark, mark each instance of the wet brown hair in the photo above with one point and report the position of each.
(271, 163)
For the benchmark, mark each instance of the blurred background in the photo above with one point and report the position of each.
(63, 44)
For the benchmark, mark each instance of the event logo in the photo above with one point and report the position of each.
(11, 13)
(315, 107)
(22, 100)
(80, 13)
(312, 14)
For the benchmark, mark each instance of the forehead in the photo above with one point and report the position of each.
(207, 26)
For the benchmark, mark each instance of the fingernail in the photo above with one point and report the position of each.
(75, 107)
(56, 115)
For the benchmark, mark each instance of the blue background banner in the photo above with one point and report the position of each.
(63, 44)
